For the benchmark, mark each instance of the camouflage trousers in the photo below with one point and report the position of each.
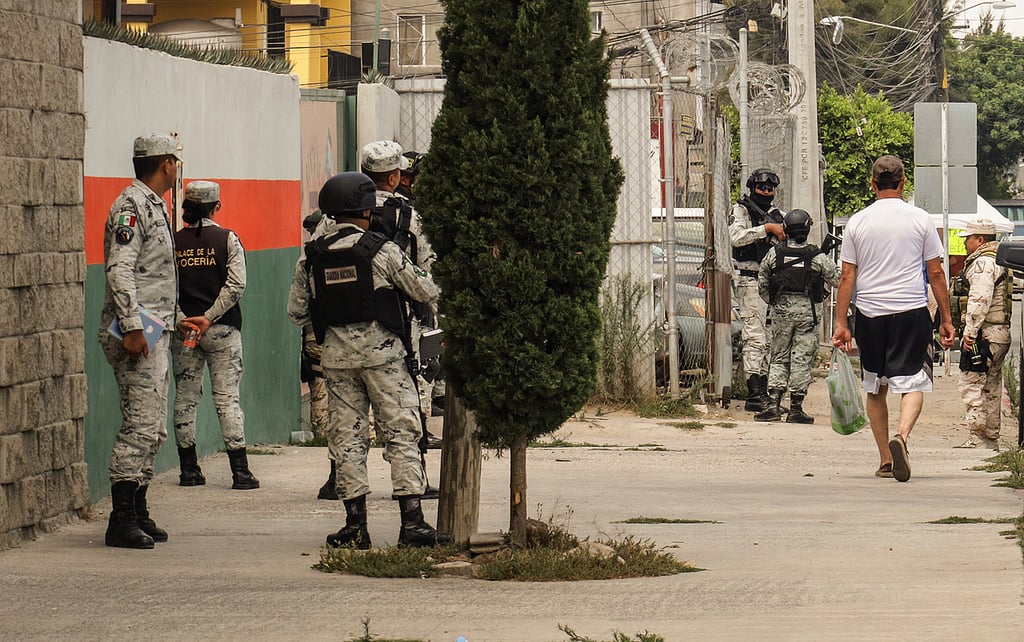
(220, 348)
(982, 393)
(389, 390)
(753, 314)
(794, 346)
(142, 384)
(317, 387)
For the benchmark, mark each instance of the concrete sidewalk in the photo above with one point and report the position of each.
(808, 545)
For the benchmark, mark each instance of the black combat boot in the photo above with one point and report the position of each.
(415, 531)
(330, 488)
(241, 478)
(146, 523)
(123, 530)
(756, 399)
(773, 411)
(354, 531)
(191, 474)
(796, 412)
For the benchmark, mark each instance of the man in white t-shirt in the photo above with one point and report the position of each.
(884, 247)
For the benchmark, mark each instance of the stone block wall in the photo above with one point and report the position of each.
(43, 480)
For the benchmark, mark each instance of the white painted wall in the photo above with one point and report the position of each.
(233, 122)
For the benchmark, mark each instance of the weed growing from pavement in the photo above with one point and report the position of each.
(725, 424)
(649, 448)
(558, 442)
(624, 342)
(366, 637)
(687, 425)
(557, 556)
(318, 441)
(666, 408)
(1012, 382)
(664, 520)
(259, 450)
(646, 636)
(1010, 461)
(956, 519)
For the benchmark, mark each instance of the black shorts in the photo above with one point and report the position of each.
(896, 350)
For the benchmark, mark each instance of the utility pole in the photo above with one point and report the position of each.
(805, 177)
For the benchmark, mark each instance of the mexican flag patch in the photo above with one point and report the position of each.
(126, 220)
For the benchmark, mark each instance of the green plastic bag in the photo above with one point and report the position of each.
(844, 389)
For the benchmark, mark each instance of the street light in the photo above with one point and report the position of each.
(836, 22)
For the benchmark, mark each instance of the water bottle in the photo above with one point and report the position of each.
(191, 339)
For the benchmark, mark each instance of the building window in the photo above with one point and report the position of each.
(596, 23)
(412, 43)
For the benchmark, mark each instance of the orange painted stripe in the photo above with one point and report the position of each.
(266, 214)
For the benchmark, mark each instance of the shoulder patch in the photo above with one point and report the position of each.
(124, 234)
(126, 219)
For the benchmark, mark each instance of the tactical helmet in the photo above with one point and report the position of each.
(762, 176)
(797, 223)
(347, 192)
(415, 163)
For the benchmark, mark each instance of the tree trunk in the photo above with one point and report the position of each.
(517, 491)
(458, 510)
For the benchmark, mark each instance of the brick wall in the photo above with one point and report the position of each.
(42, 268)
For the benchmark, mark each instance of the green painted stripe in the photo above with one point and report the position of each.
(270, 387)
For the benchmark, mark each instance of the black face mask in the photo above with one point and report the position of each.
(762, 201)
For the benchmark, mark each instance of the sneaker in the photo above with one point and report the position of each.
(991, 444)
(900, 458)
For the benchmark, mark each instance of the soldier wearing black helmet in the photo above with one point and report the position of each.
(350, 285)
(754, 226)
(410, 174)
(792, 280)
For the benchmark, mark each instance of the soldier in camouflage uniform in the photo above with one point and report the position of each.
(980, 303)
(141, 293)
(384, 161)
(754, 226)
(313, 376)
(211, 281)
(791, 279)
(350, 284)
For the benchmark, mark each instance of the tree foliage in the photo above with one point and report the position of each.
(988, 69)
(854, 130)
(518, 195)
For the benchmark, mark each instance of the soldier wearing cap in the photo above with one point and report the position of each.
(384, 161)
(883, 249)
(140, 305)
(980, 302)
(211, 280)
(754, 226)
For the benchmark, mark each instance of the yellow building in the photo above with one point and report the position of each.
(302, 31)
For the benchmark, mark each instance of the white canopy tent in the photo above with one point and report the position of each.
(959, 221)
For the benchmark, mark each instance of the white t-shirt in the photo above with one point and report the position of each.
(889, 241)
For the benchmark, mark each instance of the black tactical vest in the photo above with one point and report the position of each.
(757, 250)
(344, 286)
(794, 272)
(202, 257)
(393, 219)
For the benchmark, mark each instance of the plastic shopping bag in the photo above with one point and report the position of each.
(844, 391)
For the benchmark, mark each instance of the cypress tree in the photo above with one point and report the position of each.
(518, 195)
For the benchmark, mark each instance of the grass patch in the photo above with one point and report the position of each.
(646, 636)
(666, 408)
(318, 441)
(956, 519)
(558, 442)
(664, 520)
(655, 448)
(1010, 461)
(686, 425)
(260, 450)
(725, 424)
(552, 554)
